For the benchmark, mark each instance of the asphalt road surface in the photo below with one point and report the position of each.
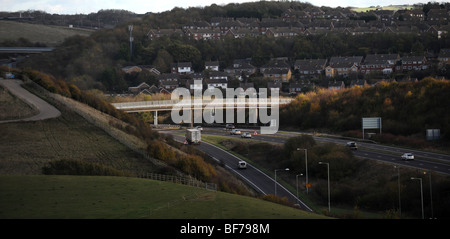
(46, 111)
(426, 161)
(266, 185)
(257, 179)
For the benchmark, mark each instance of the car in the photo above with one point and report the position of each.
(235, 132)
(229, 126)
(408, 156)
(352, 145)
(246, 135)
(199, 128)
(242, 164)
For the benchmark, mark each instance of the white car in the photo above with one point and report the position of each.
(242, 164)
(408, 156)
(246, 135)
(199, 128)
(235, 132)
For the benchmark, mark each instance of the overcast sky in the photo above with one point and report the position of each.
(143, 6)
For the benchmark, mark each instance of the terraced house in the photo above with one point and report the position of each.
(384, 63)
(343, 66)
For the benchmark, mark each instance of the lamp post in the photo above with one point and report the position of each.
(421, 193)
(399, 199)
(306, 169)
(286, 169)
(328, 172)
(431, 196)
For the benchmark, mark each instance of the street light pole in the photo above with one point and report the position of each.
(306, 169)
(431, 197)
(286, 169)
(421, 193)
(399, 199)
(328, 172)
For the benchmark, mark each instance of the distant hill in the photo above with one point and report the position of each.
(38, 33)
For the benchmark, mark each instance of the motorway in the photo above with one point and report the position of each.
(423, 160)
(258, 180)
(266, 185)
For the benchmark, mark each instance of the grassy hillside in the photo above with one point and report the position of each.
(26, 147)
(120, 197)
(49, 35)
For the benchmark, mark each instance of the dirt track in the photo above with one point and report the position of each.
(46, 111)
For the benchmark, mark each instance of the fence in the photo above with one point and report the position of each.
(181, 180)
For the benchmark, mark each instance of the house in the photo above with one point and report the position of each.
(216, 83)
(276, 74)
(241, 68)
(379, 63)
(444, 57)
(182, 68)
(138, 89)
(204, 34)
(438, 16)
(168, 85)
(277, 70)
(158, 33)
(336, 85)
(242, 32)
(343, 66)
(168, 77)
(358, 83)
(218, 75)
(310, 68)
(286, 32)
(190, 84)
(131, 69)
(212, 65)
(299, 87)
(408, 63)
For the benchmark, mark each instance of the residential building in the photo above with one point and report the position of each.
(310, 68)
(444, 57)
(157, 33)
(343, 66)
(212, 65)
(408, 63)
(358, 83)
(169, 85)
(138, 89)
(277, 70)
(216, 83)
(241, 68)
(336, 85)
(182, 68)
(384, 63)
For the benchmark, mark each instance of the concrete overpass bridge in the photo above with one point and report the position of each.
(195, 104)
(26, 50)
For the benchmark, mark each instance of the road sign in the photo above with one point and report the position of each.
(371, 123)
(308, 185)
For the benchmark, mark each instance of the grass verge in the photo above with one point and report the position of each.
(91, 197)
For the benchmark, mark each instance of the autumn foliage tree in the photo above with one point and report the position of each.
(406, 109)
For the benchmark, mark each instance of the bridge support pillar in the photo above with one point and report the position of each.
(155, 118)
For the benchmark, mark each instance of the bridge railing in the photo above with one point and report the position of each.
(194, 102)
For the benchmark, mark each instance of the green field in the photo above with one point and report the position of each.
(49, 35)
(391, 8)
(92, 197)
